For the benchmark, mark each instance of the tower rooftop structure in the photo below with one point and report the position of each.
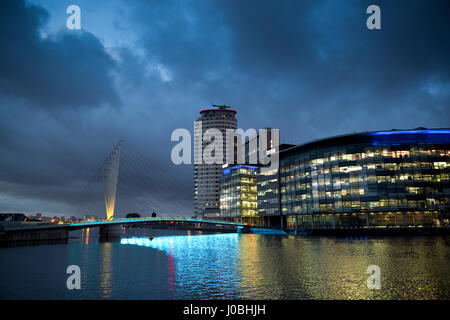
(219, 108)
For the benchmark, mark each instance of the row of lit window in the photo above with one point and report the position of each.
(315, 175)
(266, 182)
(268, 201)
(307, 169)
(238, 179)
(371, 153)
(380, 219)
(337, 181)
(238, 189)
(371, 205)
(334, 196)
(268, 210)
(244, 212)
(263, 192)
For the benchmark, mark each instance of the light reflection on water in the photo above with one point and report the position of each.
(228, 266)
(204, 265)
(106, 272)
(251, 266)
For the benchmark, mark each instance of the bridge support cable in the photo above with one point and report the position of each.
(79, 201)
(139, 178)
(130, 194)
(141, 181)
(164, 179)
(158, 195)
(162, 173)
(134, 194)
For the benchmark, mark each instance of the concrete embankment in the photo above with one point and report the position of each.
(26, 231)
(375, 231)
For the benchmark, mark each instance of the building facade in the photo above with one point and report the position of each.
(206, 176)
(269, 199)
(262, 206)
(376, 179)
(238, 194)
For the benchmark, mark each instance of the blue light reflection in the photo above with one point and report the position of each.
(199, 259)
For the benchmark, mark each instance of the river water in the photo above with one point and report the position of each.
(185, 265)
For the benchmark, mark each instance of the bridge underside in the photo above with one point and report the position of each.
(107, 229)
(34, 235)
(185, 225)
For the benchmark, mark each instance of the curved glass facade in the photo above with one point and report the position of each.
(378, 179)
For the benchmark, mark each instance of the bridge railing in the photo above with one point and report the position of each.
(168, 218)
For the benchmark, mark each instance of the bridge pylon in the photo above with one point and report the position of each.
(110, 178)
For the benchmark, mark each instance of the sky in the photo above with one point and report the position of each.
(138, 70)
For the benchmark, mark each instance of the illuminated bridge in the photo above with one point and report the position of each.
(112, 227)
(108, 228)
(123, 221)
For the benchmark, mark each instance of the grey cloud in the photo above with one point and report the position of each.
(69, 69)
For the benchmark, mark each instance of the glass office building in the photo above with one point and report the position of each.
(238, 194)
(368, 180)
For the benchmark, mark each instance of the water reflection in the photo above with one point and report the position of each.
(251, 266)
(106, 272)
(85, 235)
(205, 265)
(227, 266)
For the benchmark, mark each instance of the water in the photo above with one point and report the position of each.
(184, 265)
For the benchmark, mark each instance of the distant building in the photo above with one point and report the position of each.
(45, 219)
(269, 206)
(89, 217)
(238, 194)
(267, 203)
(206, 176)
(12, 217)
(33, 218)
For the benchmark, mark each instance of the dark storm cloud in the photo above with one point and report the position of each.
(43, 153)
(315, 60)
(310, 68)
(70, 69)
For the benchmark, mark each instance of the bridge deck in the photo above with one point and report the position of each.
(79, 225)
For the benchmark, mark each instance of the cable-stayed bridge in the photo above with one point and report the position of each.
(126, 179)
(130, 182)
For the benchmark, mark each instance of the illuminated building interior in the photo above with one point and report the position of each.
(238, 194)
(366, 180)
(380, 179)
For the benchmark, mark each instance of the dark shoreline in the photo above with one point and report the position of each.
(373, 232)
